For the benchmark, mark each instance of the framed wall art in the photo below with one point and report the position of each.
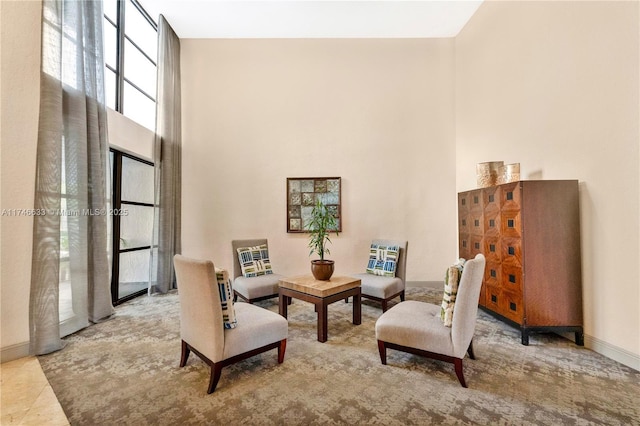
(302, 194)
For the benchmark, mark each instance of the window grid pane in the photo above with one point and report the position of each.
(134, 272)
(110, 44)
(111, 9)
(138, 29)
(136, 226)
(138, 107)
(110, 88)
(139, 70)
(139, 181)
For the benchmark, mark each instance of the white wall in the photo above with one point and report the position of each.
(377, 113)
(554, 86)
(20, 84)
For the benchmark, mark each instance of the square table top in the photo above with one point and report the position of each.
(309, 285)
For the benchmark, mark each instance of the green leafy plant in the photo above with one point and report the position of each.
(322, 223)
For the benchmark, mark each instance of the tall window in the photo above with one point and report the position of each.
(132, 200)
(130, 42)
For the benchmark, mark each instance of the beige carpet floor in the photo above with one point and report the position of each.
(125, 371)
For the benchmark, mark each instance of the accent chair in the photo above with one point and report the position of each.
(416, 327)
(202, 328)
(252, 289)
(382, 288)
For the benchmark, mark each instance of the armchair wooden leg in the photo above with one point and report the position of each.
(383, 352)
(470, 350)
(185, 354)
(281, 350)
(458, 365)
(216, 371)
(384, 306)
(402, 296)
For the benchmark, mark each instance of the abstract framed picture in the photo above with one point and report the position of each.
(302, 194)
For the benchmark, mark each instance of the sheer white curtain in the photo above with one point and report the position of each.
(71, 176)
(167, 155)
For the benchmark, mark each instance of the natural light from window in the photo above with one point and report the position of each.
(130, 45)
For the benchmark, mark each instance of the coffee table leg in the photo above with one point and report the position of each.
(321, 308)
(357, 310)
(283, 304)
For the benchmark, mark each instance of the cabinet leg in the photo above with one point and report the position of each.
(579, 338)
(525, 337)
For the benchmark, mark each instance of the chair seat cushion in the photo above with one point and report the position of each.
(379, 286)
(260, 286)
(416, 325)
(257, 327)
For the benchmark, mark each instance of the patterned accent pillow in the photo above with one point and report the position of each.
(254, 261)
(451, 282)
(226, 298)
(383, 260)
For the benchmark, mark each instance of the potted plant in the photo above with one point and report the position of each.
(321, 224)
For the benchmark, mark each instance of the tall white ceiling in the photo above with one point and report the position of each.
(313, 19)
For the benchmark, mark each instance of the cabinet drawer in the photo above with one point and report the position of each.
(511, 224)
(511, 306)
(511, 251)
(492, 298)
(493, 274)
(492, 223)
(475, 245)
(492, 249)
(510, 196)
(491, 199)
(511, 278)
(464, 244)
(475, 200)
(463, 223)
(476, 223)
(463, 202)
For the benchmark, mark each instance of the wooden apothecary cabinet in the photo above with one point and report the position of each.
(529, 232)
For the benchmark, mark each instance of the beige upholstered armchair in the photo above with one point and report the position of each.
(383, 288)
(416, 327)
(202, 327)
(252, 289)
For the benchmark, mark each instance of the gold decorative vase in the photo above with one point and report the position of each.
(509, 173)
(487, 173)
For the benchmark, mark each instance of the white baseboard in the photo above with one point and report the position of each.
(615, 353)
(19, 350)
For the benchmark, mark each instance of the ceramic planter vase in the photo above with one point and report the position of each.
(322, 269)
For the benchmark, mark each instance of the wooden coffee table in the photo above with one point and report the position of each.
(321, 294)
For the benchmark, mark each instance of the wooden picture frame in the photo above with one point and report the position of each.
(302, 194)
